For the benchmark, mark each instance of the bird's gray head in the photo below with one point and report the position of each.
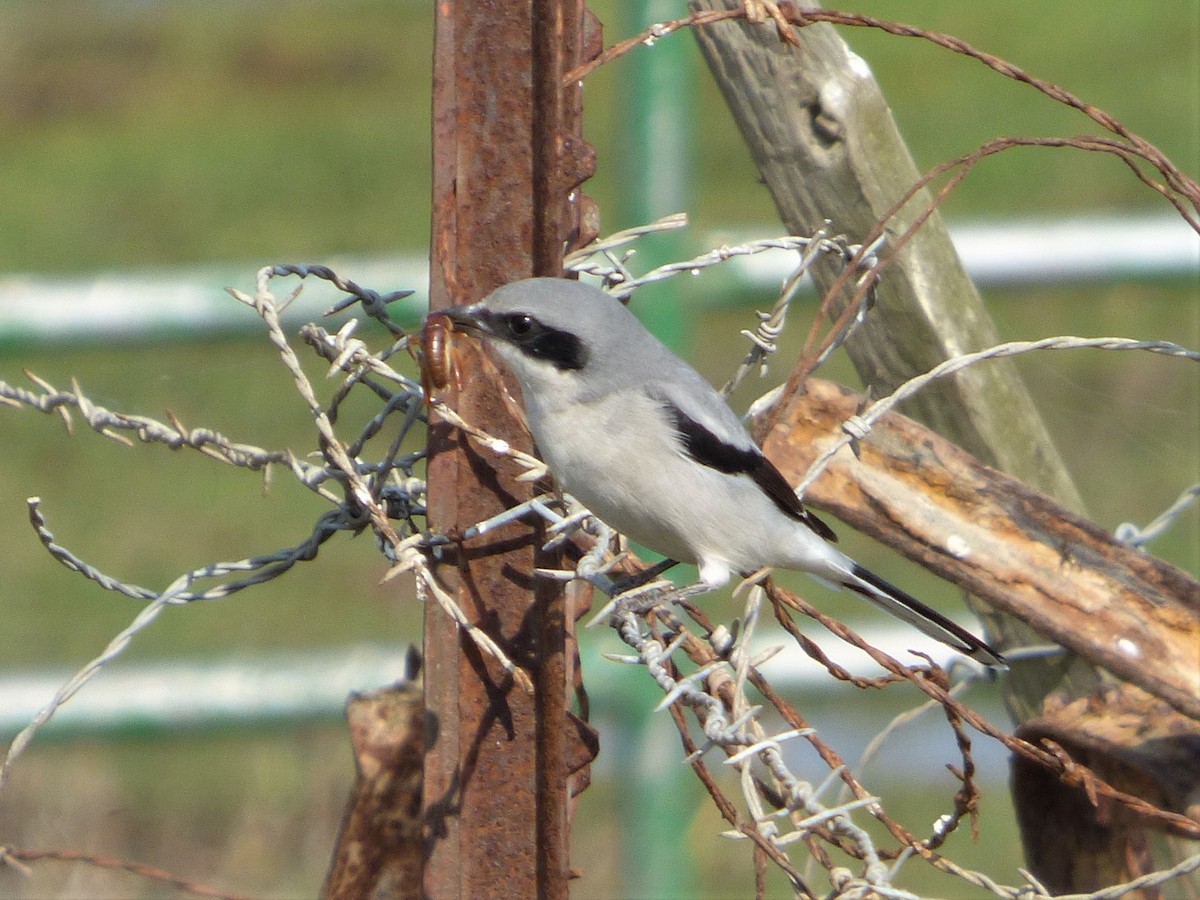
(556, 334)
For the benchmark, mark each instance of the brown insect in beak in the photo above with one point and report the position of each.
(434, 353)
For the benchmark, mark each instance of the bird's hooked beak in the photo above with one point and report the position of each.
(433, 347)
(469, 319)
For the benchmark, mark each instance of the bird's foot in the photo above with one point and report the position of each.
(641, 599)
(638, 579)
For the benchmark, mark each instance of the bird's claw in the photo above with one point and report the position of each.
(638, 600)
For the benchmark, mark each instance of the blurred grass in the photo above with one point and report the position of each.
(138, 134)
(155, 134)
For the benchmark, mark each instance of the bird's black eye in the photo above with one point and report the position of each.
(560, 348)
(520, 325)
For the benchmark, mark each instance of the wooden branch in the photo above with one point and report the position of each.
(1018, 550)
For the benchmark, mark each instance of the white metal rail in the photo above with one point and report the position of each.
(192, 302)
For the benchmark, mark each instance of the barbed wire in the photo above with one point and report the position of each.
(169, 597)
(1140, 537)
(777, 808)
(597, 259)
(375, 493)
(1179, 189)
(18, 858)
(110, 424)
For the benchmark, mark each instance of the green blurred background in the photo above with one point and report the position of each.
(153, 135)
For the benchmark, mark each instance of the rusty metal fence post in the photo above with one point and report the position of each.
(507, 160)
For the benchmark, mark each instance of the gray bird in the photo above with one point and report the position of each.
(644, 442)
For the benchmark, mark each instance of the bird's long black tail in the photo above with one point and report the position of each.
(904, 606)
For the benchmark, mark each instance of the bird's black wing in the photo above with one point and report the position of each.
(707, 448)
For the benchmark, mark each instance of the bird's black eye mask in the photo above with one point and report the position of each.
(563, 350)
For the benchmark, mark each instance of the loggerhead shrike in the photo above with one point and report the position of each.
(644, 442)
